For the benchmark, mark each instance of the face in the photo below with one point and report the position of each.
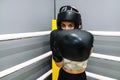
(65, 25)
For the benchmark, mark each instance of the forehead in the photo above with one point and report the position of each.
(67, 22)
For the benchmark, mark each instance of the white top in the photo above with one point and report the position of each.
(75, 65)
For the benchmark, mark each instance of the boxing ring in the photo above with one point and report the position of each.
(8, 37)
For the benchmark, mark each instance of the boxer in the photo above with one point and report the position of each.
(71, 46)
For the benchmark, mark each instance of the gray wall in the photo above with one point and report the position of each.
(96, 14)
(21, 16)
(18, 16)
(100, 15)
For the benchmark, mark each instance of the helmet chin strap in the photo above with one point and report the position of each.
(80, 26)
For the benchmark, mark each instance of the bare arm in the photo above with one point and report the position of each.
(60, 64)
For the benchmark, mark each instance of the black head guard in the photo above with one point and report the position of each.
(68, 13)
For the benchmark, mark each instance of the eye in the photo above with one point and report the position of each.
(71, 25)
(63, 25)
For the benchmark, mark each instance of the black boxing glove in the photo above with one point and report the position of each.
(54, 47)
(74, 44)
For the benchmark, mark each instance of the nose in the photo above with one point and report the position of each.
(67, 28)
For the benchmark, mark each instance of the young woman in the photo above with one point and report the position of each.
(70, 45)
